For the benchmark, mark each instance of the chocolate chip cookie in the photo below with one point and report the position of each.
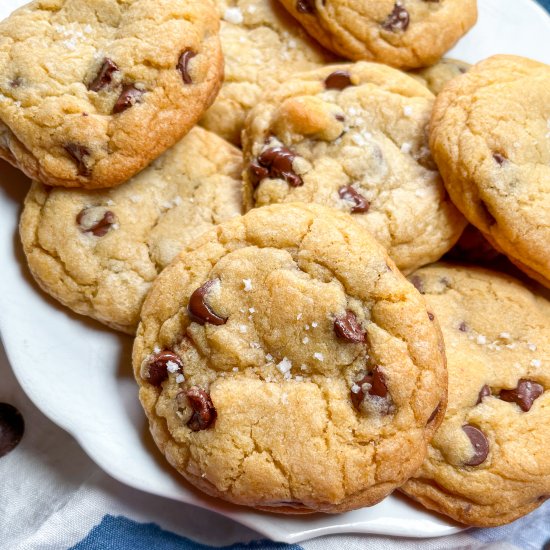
(402, 33)
(488, 464)
(490, 136)
(98, 252)
(262, 45)
(354, 137)
(92, 91)
(436, 76)
(284, 363)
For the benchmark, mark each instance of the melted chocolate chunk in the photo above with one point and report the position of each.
(338, 80)
(157, 367)
(397, 20)
(463, 327)
(418, 283)
(378, 387)
(431, 316)
(348, 328)
(81, 155)
(276, 163)
(129, 96)
(90, 223)
(500, 159)
(104, 76)
(204, 413)
(12, 428)
(16, 82)
(485, 391)
(305, 6)
(524, 395)
(199, 311)
(349, 194)
(479, 443)
(183, 65)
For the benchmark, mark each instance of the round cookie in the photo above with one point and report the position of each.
(88, 99)
(437, 76)
(284, 363)
(354, 137)
(401, 33)
(488, 463)
(490, 136)
(98, 252)
(262, 45)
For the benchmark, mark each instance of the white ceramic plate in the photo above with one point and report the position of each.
(78, 372)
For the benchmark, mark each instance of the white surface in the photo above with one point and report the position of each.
(78, 373)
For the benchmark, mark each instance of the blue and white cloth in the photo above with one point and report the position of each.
(52, 497)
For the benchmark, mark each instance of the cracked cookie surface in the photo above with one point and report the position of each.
(354, 137)
(92, 91)
(262, 46)
(488, 463)
(490, 136)
(98, 252)
(284, 363)
(401, 33)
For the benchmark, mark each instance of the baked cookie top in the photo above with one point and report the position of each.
(262, 46)
(437, 76)
(98, 252)
(91, 91)
(488, 464)
(402, 33)
(354, 137)
(490, 136)
(285, 363)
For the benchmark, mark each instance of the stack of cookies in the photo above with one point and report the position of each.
(297, 349)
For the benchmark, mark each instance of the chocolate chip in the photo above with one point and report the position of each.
(523, 395)
(12, 428)
(81, 155)
(485, 391)
(258, 172)
(157, 368)
(431, 316)
(398, 19)
(277, 164)
(16, 82)
(434, 414)
(199, 311)
(183, 65)
(418, 283)
(104, 76)
(463, 327)
(349, 194)
(378, 387)
(500, 159)
(338, 80)
(348, 328)
(479, 443)
(340, 118)
(95, 220)
(129, 96)
(204, 413)
(305, 6)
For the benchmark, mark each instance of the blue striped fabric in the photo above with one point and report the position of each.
(120, 533)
